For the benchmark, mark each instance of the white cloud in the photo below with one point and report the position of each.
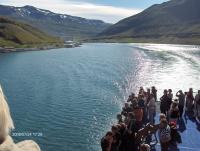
(88, 10)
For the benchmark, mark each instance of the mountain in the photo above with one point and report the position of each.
(17, 34)
(66, 26)
(175, 21)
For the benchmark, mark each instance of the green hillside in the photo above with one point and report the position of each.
(15, 34)
(175, 21)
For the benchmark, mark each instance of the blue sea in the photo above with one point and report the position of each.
(66, 99)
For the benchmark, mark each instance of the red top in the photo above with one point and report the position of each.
(138, 114)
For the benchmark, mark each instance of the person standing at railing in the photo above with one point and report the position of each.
(181, 101)
(106, 141)
(164, 103)
(151, 109)
(154, 92)
(197, 105)
(170, 96)
(189, 100)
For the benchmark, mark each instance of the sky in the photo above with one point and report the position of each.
(110, 11)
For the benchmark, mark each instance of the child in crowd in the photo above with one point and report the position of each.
(145, 147)
(164, 133)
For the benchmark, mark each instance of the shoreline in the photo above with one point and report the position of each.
(142, 41)
(10, 50)
(78, 44)
(104, 42)
(41, 48)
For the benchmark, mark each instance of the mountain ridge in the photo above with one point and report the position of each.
(175, 21)
(62, 25)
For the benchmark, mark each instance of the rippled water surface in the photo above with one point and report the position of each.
(71, 96)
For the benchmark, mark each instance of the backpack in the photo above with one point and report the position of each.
(165, 134)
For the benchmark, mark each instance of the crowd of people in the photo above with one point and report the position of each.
(136, 123)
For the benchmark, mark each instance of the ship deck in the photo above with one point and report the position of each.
(189, 129)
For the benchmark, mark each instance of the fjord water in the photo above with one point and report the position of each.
(71, 96)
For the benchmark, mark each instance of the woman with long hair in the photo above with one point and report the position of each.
(6, 122)
(6, 125)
